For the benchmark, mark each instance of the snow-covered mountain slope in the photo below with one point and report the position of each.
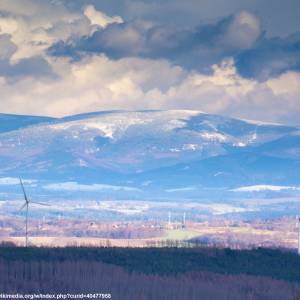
(165, 148)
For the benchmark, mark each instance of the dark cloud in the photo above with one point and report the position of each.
(32, 67)
(193, 48)
(279, 18)
(270, 57)
(7, 47)
(239, 36)
(35, 66)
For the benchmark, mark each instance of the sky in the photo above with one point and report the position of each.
(236, 58)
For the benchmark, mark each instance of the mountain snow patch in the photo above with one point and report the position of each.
(15, 181)
(262, 188)
(74, 186)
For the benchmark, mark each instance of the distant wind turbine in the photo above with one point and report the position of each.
(26, 206)
(183, 220)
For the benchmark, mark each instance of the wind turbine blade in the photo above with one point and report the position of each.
(23, 206)
(39, 203)
(23, 189)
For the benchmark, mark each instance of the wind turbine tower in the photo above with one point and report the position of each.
(169, 219)
(183, 220)
(26, 206)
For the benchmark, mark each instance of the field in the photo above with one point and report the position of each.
(180, 234)
(222, 233)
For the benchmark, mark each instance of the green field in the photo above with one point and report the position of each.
(180, 234)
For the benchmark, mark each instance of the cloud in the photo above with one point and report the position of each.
(243, 31)
(29, 28)
(184, 189)
(270, 57)
(99, 18)
(191, 47)
(100, 83)
(279, 19)
(74, 186)
(62, 57)
(34, 67)
(94, 83)
(116, 41)
(240, 36)
(35, 25)
(7, 48)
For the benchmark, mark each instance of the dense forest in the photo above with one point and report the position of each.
(152, 273)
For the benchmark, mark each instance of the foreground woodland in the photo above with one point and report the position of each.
(152, 273)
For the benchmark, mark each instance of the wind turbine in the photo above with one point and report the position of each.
(183, 220)
(169, 219)
(26, 206)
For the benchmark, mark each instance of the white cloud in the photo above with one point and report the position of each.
(184, 189)
(285, 85)
(99, 18)
(35, 25)
(95, 83)
(99, 83)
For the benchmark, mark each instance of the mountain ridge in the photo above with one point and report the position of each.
(129, 148)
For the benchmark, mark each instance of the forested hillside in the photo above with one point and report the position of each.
(128, 273)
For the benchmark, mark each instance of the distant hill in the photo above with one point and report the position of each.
(10, 122)
(153, 152)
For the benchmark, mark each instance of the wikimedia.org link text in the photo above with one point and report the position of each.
(56, 296)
